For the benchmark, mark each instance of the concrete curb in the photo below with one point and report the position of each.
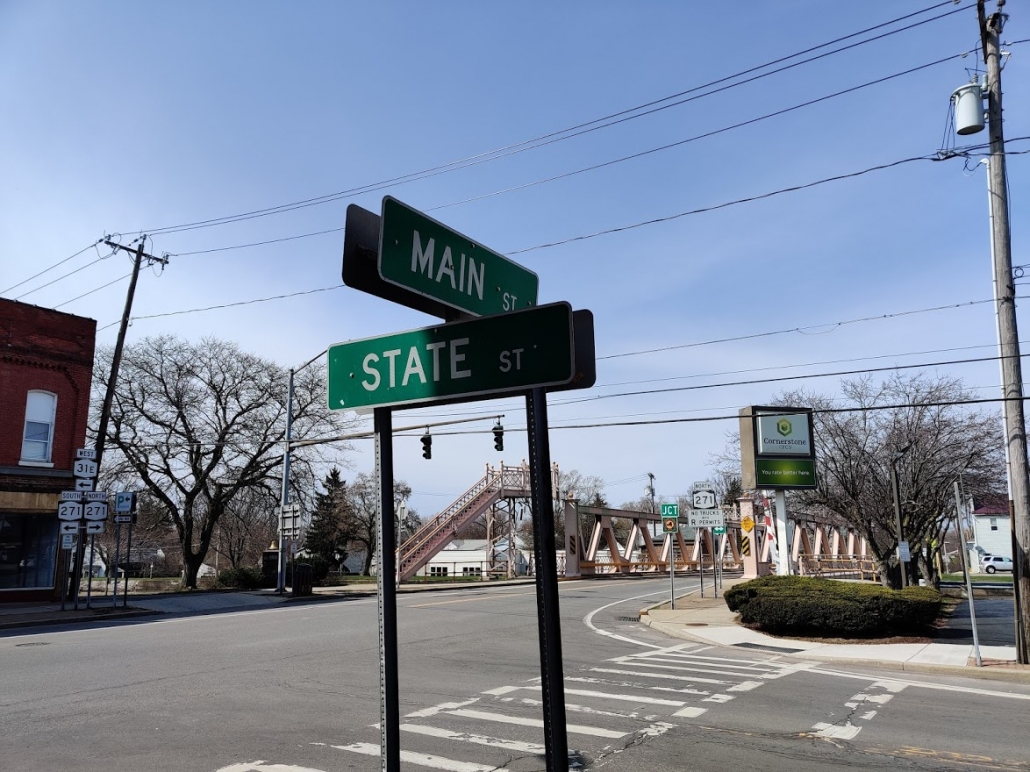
(52, 621)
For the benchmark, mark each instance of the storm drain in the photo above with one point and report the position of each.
(628, 619)
(33, 643)
(762, 647)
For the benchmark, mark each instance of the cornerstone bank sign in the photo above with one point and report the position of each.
(777, 450)
(784, 435)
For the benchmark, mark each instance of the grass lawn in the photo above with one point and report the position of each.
(1001, 577)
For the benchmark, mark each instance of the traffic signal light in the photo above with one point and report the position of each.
(498, 437)
(427, 445)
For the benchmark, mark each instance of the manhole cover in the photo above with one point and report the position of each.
(33, 643)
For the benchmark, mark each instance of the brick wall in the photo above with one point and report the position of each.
(51, 351)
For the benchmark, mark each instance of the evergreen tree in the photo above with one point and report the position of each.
(331, 522)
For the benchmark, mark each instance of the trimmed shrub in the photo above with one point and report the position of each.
(242, 578)
(813, 606)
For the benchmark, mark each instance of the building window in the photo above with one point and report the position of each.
(471, 571)
(994, 524)
(40, 409)
(28, 549)
(438, 570)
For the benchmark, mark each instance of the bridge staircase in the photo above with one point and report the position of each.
(507, 482)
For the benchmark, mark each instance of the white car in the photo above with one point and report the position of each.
(993, 563)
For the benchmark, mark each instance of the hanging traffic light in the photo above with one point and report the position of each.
(427, 445)
(498, 436)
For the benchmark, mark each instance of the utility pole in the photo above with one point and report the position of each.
(116, 360)
(1012, 376)
(112, 380)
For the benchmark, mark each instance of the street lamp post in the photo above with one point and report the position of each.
(897, 509)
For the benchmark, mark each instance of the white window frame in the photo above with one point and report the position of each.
(47, 461)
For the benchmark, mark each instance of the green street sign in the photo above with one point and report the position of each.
(670, 510)
(489, 356)
(785, 473)
(719, 530)
(426, 257)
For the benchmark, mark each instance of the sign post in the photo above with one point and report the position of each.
(777, 451)
(670, 526)
(496, 342)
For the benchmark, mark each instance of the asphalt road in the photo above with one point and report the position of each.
(295, 688)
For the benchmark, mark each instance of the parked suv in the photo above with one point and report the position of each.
(992, 563)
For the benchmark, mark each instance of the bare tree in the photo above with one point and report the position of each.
(364, 493)
(910, 421)
(247, 527)
(199, 424)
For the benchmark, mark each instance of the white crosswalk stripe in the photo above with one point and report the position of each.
(626, 699)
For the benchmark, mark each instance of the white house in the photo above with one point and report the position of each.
(992, 534)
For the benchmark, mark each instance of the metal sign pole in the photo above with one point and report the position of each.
(128, 563)
(552, 682)
(66, 561)
(715, 568)
(965, 574)
(699, 539)
(389, 693)
(117, 560)
(80, 552)
(672, 571)
(89, 581)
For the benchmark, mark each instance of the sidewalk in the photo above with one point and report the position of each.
(709, 620)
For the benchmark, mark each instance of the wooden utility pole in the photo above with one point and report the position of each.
(1011, 368)
(105, 411)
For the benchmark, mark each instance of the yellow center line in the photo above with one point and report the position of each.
(469, 600)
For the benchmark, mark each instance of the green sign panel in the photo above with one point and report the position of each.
(785, 473)
(420, 254)
(719, 530)
(492, 355)
(670, 510)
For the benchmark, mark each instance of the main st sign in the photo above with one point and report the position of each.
(433, 260)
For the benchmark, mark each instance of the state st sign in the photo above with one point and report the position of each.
(493, 355)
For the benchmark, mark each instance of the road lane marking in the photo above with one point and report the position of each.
(846, 732)
(504, 690)
(424, 759)
(690, 712)
(588, 621)
(921, 684)
(476, 739)
(664, 676)
(443, 706)
(718, 698)
(260, 766)
(609, 682)
(491, 596)
(680, 669)
(745, 686)
(574, 708)
(483, 715)
(603, 696)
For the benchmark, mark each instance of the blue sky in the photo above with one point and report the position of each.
(124, 117)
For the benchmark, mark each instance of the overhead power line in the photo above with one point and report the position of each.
(50, 268)
(934, 157)
(612, 119)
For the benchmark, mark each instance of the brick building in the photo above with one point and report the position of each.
(46, 364)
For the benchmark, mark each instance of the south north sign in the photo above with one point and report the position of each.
(493, 355)
(426, 257)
